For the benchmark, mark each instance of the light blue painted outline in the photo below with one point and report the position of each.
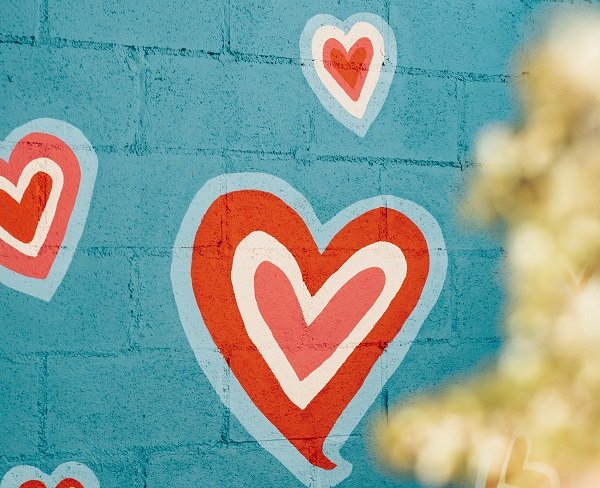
(358, 126)
(88, 163)
(212, 362)
(80, 472)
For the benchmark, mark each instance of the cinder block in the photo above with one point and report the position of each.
(418, 121)
(367, 468)
(328, 185)
(238, 434)
(20, 17)
(90, 312)
(431, 365)
(185, 24)
(145, 399)
(117, 212)
(122, 470)
(234, 466)
(486, 103)
(433, 187)
(19, 394)
(273, 27)
(93, 90)
(442, 192)
(159, 325)
(168, 183)
(438, 324)
(479, 36)
(151, 194)
(478, 282)
(225, 105)
(543, 13)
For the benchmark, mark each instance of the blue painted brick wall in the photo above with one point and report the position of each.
(172, 93)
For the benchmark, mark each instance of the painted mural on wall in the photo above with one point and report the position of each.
(302, 313)
(47, 174)
(310, 319)
(349, 65)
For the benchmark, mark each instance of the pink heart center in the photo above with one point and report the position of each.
(349, 69)
(307, 346)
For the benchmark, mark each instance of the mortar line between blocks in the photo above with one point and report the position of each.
(238, 56)
(265, 154)
(388, 9)
(462, 142)
(134, 297)
(455, 315)
(140, 145)
(43, 403)
(227, 26)
(226, 426)
(44, 22)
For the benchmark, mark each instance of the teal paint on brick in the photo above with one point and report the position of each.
(19, 387)
(211, 104)
(466, 36)
(450, 183)
(486, 103)
(126, 401)
(418, 121)
(122, 176)
(93, 90)
(187, 24)
(273, 27)
(215, 468)
(429, 365)
(20, 17)
(97, 322)
(545, 12)
(479, 313)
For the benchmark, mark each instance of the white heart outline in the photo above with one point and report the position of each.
(259, 247)
(88, 165)
(336, 104)
(21, 474)
(357, 31)
(213, 364)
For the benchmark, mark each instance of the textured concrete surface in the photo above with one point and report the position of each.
(171, 94)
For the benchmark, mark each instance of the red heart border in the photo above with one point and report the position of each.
(248, 211)
(51, 137)
(34, 146)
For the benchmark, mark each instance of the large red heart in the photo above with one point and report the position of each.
(66, 483)
(233, 217)
(349, 68)
(38, 190)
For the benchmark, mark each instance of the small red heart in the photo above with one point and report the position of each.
(349, 68)
(233, 217)
(25, 196)
(66, 483)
